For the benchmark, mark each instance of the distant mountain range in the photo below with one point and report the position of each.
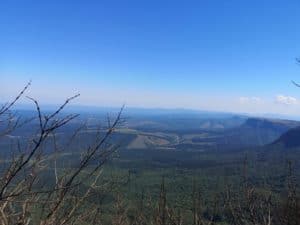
(224, 134)
(183, 129)
(254, 132)
(274, 124)
(265, 131)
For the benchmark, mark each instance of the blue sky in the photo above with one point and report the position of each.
(215, 55)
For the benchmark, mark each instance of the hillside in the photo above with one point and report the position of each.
(290, 139)
(276, 125)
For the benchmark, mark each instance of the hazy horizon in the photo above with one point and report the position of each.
(81, 108)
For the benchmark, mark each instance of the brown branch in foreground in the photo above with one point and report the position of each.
(6, 107)
(22, 186)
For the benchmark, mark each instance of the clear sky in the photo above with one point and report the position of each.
(233, 55)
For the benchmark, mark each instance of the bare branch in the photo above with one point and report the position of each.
(7, 106)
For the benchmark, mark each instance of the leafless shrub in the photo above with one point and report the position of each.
(25, 197)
